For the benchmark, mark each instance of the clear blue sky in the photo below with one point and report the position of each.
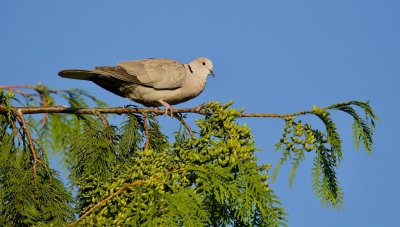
(269, 56)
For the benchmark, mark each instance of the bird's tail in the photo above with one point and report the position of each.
(77, 74)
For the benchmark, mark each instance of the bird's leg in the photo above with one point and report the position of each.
(167, 107)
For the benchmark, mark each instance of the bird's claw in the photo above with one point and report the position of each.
(167, 107)
(171, 111)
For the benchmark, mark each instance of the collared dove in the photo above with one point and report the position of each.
(151, 82)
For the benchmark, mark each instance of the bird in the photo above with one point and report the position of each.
(152, 82)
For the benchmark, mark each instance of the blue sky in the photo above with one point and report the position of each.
(269, 56)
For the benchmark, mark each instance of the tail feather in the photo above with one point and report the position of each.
(77, 74)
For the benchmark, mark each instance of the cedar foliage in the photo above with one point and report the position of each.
(132, 174)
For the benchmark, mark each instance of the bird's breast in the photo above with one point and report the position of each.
(149, 96)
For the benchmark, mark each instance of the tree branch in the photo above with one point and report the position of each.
(101, 118)
(180, 118)
(119, 110)
(123, 188)
(25, 86)
(20, 118)
(146, 130)
(126, 110)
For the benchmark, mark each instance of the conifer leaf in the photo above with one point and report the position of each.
(299, 156)
(212, 179)
(332, 134)
(362, 129)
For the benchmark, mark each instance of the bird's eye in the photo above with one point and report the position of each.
(204, 63)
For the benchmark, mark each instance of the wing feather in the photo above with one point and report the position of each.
(157, 73)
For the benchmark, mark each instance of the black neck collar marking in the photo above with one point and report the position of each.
(190, 69)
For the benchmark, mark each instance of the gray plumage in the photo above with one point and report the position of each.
(151, 82)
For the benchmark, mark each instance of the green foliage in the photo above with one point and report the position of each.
(131, 136)
(298, 138)
(91, 149)
(131, 174)
(55, 127)
(210, 180)
(5, 99)
(28, 198)
(362, 129)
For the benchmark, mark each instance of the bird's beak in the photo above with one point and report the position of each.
(212, 73)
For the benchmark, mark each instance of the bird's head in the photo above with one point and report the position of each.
(202, 66)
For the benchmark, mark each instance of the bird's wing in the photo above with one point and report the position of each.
(157, 73)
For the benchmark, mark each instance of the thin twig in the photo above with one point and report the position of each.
(123, 188)
(39, 93)
(15, 129)
(101, 118)
(20, 117)
(126, 110)
(40, 161)
(146, 130)
(27, 95)
(33, 87)
(43, 120)
(180, 118)
(274, 115)
(105, 124)
(13, 87)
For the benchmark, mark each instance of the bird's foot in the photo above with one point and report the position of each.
(167, 107)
